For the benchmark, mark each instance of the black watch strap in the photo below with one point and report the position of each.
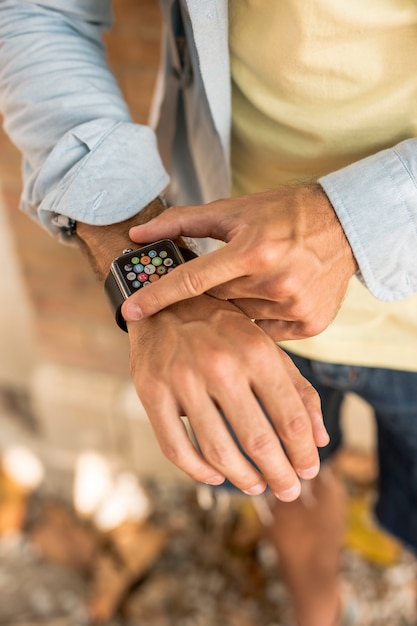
(116, 299)
(116, 296)
(187, 254)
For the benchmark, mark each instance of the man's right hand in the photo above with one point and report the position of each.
(286, 262)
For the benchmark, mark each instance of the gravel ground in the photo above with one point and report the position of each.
(215, 570)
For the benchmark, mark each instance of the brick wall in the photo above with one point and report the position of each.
(71, 316)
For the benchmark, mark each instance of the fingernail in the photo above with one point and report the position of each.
(132, 312)
(309, 473)
(256, 490)
(215, 480)
(289, 494)
(320, 420)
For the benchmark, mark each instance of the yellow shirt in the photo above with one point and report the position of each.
(317, 85)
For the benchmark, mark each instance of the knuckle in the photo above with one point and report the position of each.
(287, 286)
(308, 392)
(182, 378)
(191, 283)
(261, 351)
(216, 454)
(301, 309)
(150, 300)
(265, 256)
(221, 367)
(272, 290)
(261, 445)
(294, 428)
(155, 299)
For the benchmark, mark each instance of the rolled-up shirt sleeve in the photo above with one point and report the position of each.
(376, 202)
(83, 157)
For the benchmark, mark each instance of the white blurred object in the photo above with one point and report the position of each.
(23, 467)
(93, 482)
(126, 502)
(108, 499)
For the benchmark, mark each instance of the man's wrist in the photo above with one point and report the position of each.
(103, 244)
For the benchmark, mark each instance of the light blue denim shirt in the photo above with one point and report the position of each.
(84, 158)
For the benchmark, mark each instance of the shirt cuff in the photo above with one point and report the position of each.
(100, 173)
(376, 202)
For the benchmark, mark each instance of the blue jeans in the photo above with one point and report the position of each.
(393, 396)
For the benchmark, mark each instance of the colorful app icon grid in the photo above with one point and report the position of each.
(145, 268)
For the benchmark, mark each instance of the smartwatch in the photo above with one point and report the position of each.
(135, 269)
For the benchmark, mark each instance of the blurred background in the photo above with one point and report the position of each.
(95, 524)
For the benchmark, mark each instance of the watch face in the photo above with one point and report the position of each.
(145, 266)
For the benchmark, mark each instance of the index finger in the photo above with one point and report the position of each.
(185, 281)
(188, 221)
